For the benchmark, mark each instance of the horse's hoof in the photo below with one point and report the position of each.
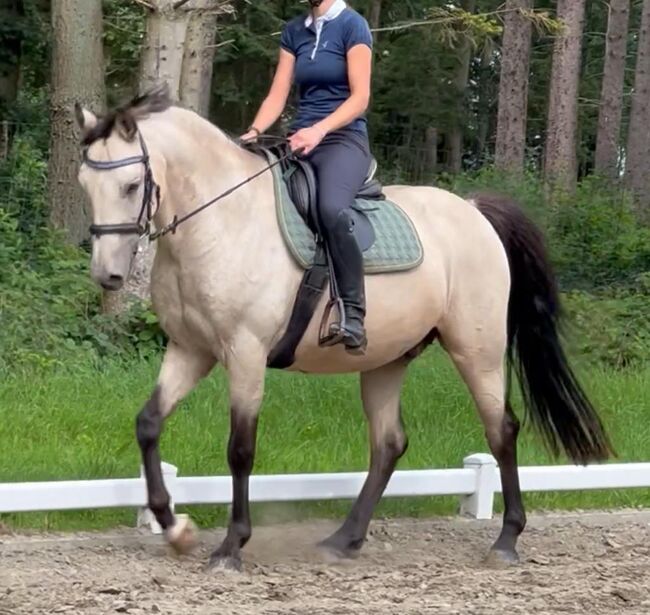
(334, 552)
(227, 563)
(182, 536)
(499, 558)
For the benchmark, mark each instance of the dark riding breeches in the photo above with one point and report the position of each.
(341, 162)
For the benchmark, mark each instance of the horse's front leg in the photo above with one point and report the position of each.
(181, 370)
(246, 366)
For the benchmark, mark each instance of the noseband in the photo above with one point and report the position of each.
(151, 191)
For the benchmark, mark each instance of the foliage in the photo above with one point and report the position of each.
(612, 329)
(594, 238)
(124, 27)
(49, 308)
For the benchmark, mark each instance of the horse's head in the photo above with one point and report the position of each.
(121, 178)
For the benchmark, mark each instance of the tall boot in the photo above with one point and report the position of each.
(347, 261)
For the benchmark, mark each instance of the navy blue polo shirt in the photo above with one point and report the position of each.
(321, 75)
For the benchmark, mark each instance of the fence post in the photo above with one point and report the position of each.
(145, 516)
(480, 503)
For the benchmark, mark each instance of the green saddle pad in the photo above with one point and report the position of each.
(397, 246)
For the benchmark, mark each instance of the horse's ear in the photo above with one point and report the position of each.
(126, 125)
(86, 120)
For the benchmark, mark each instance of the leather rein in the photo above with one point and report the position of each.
(151, 195)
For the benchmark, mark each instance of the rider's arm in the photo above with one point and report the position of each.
(359, 71)
(271, 109)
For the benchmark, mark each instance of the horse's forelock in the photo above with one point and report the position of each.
(126, 117)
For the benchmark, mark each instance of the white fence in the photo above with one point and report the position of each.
(475, 483)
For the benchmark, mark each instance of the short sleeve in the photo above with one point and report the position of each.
(286, 39)
(357, 33)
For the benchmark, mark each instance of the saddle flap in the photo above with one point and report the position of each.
(364, 232)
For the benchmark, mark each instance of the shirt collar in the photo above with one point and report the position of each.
(334, 11)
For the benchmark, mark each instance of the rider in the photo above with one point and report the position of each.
(329, 53)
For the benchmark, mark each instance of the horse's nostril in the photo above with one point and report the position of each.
(113, 282)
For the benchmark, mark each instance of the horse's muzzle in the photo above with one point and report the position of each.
(113, 282)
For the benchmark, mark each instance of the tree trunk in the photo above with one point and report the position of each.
(198, 61)
(461, 77)
(161, 59)
(637, 166)
(431, 144)
(10, 51)
(611, 98)
(77, 75)
(513, 89)
(561, 164)
(374, 18)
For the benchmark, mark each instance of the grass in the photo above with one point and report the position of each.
(80, 424)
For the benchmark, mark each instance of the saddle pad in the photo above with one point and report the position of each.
(397, 246)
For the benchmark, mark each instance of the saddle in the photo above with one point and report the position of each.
(300, 178)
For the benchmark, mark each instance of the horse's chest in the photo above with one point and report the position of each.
(190, 313)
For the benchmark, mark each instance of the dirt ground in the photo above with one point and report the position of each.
(592, 564)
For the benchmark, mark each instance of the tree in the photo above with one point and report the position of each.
(198, 59)
(638, 141)
(561, 165)
(460, 86)
(77, 75)
(374, 17)
(513, 88)
(11, 12)
(431, 152)
(611, 99)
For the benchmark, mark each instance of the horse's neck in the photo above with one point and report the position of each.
(201, 163)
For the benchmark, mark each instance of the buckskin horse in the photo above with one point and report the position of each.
(224, 285)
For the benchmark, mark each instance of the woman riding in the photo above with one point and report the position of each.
(329, 54)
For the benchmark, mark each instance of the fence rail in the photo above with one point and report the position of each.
(476, 484)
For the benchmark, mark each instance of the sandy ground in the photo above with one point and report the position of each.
(590, 564)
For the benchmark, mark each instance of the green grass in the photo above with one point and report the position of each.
(80, 424)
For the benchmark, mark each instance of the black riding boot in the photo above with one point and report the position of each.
(347, 261)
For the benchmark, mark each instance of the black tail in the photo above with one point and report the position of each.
(557, 404)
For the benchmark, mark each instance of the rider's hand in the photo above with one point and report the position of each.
(306, 139)
(250, 136)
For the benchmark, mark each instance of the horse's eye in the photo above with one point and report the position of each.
(131, 188)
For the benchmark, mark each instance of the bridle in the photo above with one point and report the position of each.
(142, 227)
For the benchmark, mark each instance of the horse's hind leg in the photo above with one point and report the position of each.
(181, 370)
(380, 392)
(480, 363)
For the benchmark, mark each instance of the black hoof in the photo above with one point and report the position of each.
(499, 558)
(335, 550)
(225, 562)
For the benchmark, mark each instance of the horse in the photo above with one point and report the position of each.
(223, 284)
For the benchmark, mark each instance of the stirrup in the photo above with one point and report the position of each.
(325, 335)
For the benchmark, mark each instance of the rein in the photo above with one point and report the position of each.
(151, 190)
